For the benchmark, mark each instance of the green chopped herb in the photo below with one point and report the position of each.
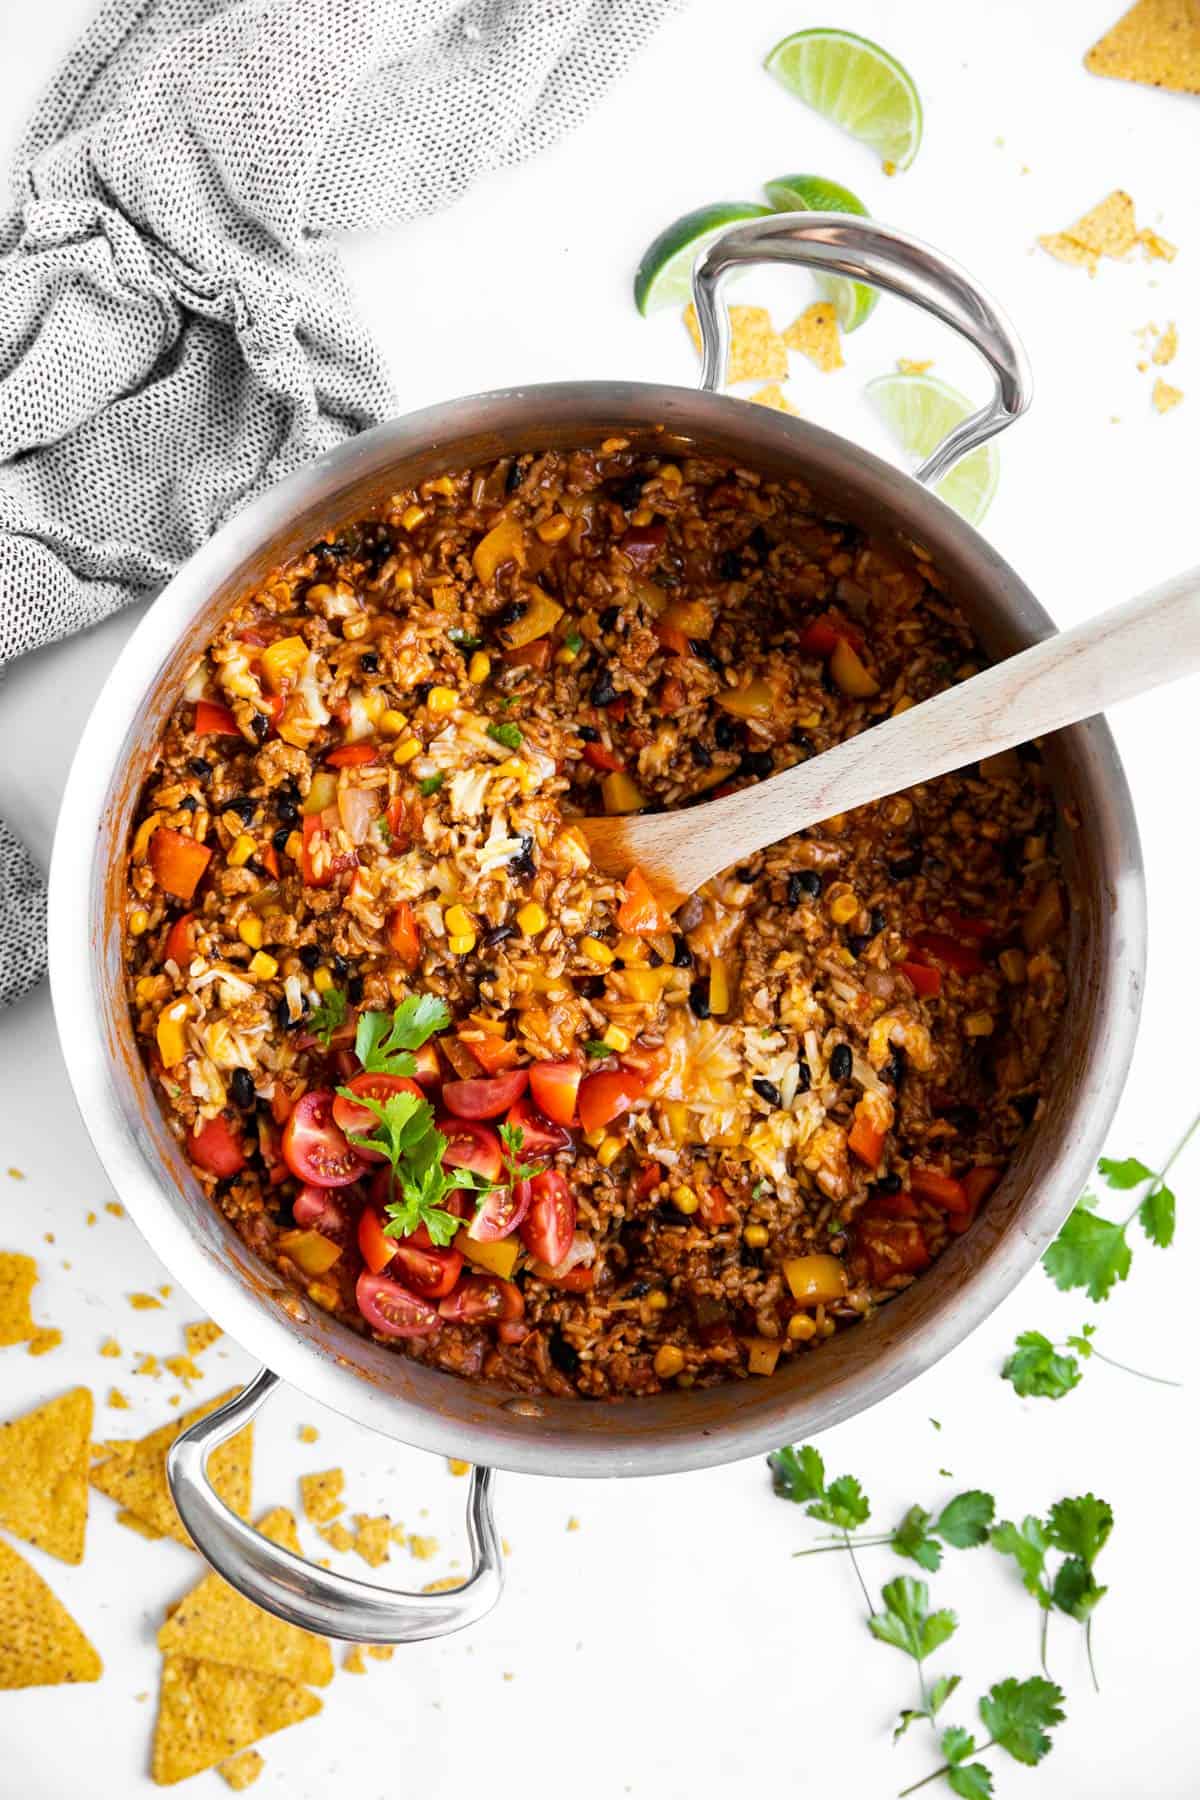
(325, 1019)
(513, 1139)
(384, 829)
(596, 1047)
(464, 640)
(573, 642)
(508, 735)
(430, 785)
(1093, 1252)
(382, 1044)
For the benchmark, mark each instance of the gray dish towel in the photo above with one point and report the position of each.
(176, 333)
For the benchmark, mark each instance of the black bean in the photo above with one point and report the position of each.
(729, 567)
(498, 934)
(242, 1089)
(802, 884)
(564, 1358)
(419, 694)
(749, 1258)
(627, 494)
(200, 769)
(637, 1290)
(766, 1090)
(279, 839)
(588, 733)
(188, 804)
(707, 654)
(887, 1184)
(283, 1017)
(893, 1068)
(340, 966)
(670, 1215)
(514, 477)
(289, 789)
(698, 998)
(841, 1062)
(242, 805)
(878, 920)
(724, 732)
(368, 662)
(804, 744)
(702, 755)
(603, 692)
(609, 617)
(860, 941)
(1026, 1105)
(903, 867)
(590, 986)
(758, 540)
(354, 990)
(745, 874)
(287, 811)
(329, 551)
(805, 1075)
(682, 958)
(653, 958)
(757, 763)
(310, 955)
(259, 725)
(963, 1118)
(522, 863)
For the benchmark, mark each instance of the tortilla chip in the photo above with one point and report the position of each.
(184, 1369)
(457, 1466)
(40, 1643)
(372, 1539)
(17, 1276)
(135, 1473)
(1164, 351)
(756, 350)
(133, 1523)
(117, 1400)
(443, 1586)
(1110, 229)
(45, 1338)
(773, 396)
(1165, 396)
(200, 1335)
(1156, 42)
(214, 1623)
(148, 1366)
(353, 1662)
(321, 1495)
(815, 335)
(207, 1712)
(44, 1474)
(242, 1771)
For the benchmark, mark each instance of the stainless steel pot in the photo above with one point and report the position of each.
(365, 1381)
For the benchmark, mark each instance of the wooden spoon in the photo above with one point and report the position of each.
(1129, 650)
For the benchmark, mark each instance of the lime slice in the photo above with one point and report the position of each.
(919, 410)
(664, 275)
(852, 82)
(813, 193)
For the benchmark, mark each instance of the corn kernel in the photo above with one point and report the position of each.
(596, 952)
(684, 1199)
(608, 1152)
(566, 656)
(355, 628)
(139, 921)
(404, 753)
(241, 852)
(322, 979)
(671, 475)
(617, 1039)
(150, 988)
(668, 1361)
(532, 919)
(262, 966)
(594, 1139)
(800, 1328)
(459, 921)
(643, 516)
(250, 931)
(843, 908)
(442, 700)
(757, 1236)
(656, 1300)
(553, 531)
(479, 668)
(462, 944)
(1012, 966)
(404, 580)
(411, 517)
(294, 846)
(391, 723)
(443, 485)
(979, 1024)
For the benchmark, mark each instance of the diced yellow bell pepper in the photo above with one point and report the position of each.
(621, 793)
(851, 673)
(644, 985)
(497, 1258)
(754, 701)
(172, 1044)
(1045, 918)
(762, 1354)
(321, 794)
(677, 1120)
(815, 1280)
(540, 616)
(718, 986)
(505, 542)
(692, 617)
(282, 662)
(145, 831)
(310, 1251)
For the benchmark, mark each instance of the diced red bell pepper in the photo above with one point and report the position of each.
(672, 639)
(214, 720)
(268, 856)
(352, 756)
(599, 756)
(642, 543)
(640, 911)
(866, 1140)
(892, 1247)
(969, 928)
(716, 1208)
(960, 957)
(820, 636)
(403, 935)
(180, 946)
(926, 980)
(177, 862)
(945, 1191)
(616, 709)
(650, 1178)
(579, 1280)
(671, 695)
(978, 1183)
(494, 1054)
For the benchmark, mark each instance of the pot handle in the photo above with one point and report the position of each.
(881, 256)
(295, 1590)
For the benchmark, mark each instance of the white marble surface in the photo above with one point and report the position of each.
(670, 1645)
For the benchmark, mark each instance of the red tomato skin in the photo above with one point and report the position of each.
(471, 1145)
(428, 1070)
(216, 1149)
(314, 1148)
(926, 979)
(351, 756)
(360, 1119)
(394, 1311)
(555, 1090)
(579, 1280)
(604, 1097)
(214, 720)
(539, 1137)
(963, 958)
(431, 1273)
(375, 1249)
(599, 756)
(944, 1190)
(325, 1210)
(483, 1297)
(487, 1097)
(493, 1054)
(404, 935)
(501, 1213)
(548, 1228)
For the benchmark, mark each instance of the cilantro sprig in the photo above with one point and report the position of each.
(799, 1476)
(1017, 1715)
(1093, 1252)
(512, 1137)
(413, 1147)
(1041, 1369)
(1077, 1527)
(329, 1017)
(384, 1045)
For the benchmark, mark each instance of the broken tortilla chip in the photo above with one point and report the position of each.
(1156, 42)
(135, 1473)
(372, 1538)
(321, 1495)
(241, 1772)
(773, 396)
(17, 1276)
(44, 1474)
(200, 1335)
(1165, 396)
(208, 1711)
(44, 1339)
(907, 366)
(1166, 347)
(815, 335)
(40, 1643)
(756, 350)
(1110, 229)
(215, 1623)
(1156, 248)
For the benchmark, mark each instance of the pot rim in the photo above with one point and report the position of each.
(93, 1066)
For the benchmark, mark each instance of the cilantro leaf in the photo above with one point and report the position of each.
(509, 735)
(408, 1139)
(965, 1521)
(1081, 1527)
(844, 1504)
(325, 1019)
(382, 1044)
(911, 1538)
(513, 1138)
(1037, 1369)
(1017, 1713)
(1129, 1173)
(1156, 1215)
(1027, 1544)
(1089, 1252)
(906, 1622)
(971, 1781)
(1076, 1590)
(957, 1744)
(939, 1693)
(797, 1475)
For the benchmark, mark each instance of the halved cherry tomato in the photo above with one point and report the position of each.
(471, 1146)
(214, 720)
(403, 935)
(944, 1190)
(820, 636)
(540, 1136)
(216, 1148)
(177, 862)
(555, 1090)
(548, 1229)
(485, 1099)
(360, 1120)
(318, 826)
(604, 1097)
(483, 1297)
(892, 1247)
(578, 1280)
(599, 756)
(926, 980)
(948, 950)
(393, 1311)
(500, 1212)
(324, 1210)
(715, 1206)
(376, 1250)
(351, 756)
(512, 1331)
(530, 656)
(866, 1141)
(430, 1272)
(180, 946)
(313, 1145)
(640, 910)
(494, 1054)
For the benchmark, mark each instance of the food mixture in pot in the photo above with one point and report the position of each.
(503, 1112)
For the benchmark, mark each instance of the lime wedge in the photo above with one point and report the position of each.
(664, 275)
(852, 82)
(813, 193)
(919, 410)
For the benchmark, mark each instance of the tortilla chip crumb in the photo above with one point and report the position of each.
(372, 1538)
(756, 350)
(1166, 347)
(1165, 396)
(457, 1466)
(16, 1174)
(115, 1208)
(308, 1434)
(505, 1547)
(381, 1652)
(773, 396)
(143, 1302)
(184, 1369)
(1157, 248)
(149, 1365)
(91, 1218)
(40, 1643)
(815, 334)
(572, 1523)
(45, 1338)
(353, 1662)
(398, 1534)
(110, 1347)
(242, 1771)
(423, 1548)
(1109, 229)
(443, 1586)
(1156, 42)
(321, 1495)
(166, 1290)
(337, 1535)
(47, 1237)
(200, 1335)
(17, 1276)
(907, 366)
(117, 1400)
